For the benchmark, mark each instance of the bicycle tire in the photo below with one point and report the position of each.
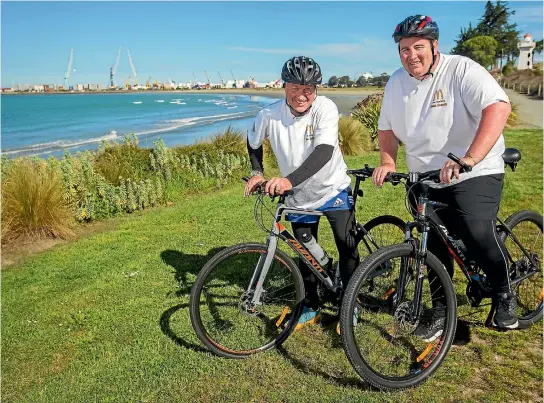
(379, 232)
(529, 292)
(220, 287)
(369, 363)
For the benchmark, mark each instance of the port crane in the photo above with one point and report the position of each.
(221, 78)
(196, 82)
(68, 69)
(208, 78)
(113, 70)
(134, 75)
(235, 85)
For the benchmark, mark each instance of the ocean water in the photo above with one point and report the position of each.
(46, 125)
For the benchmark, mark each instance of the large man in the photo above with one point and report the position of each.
(437, 104)
(303, 133)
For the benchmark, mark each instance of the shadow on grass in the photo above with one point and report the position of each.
(183, 264)
(303, 367)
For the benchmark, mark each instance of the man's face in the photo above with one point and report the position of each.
(300, 97)
(416, 56)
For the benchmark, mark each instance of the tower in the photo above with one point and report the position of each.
(526, 48)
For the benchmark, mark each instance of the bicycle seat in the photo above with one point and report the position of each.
(511, 156)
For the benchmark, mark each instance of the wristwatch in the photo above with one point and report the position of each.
(256, 173)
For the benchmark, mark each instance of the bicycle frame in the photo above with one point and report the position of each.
(425, 219)
(279, 231)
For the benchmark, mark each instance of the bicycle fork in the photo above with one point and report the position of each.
(261, 270)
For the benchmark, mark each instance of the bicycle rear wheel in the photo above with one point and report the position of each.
(390, 345)
(527, 228)
(379, 232)
(221, 311)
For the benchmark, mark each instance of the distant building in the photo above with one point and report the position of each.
(526, 50)
(7, 89)
(367, 76)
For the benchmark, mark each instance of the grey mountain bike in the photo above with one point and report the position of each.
(248, 297)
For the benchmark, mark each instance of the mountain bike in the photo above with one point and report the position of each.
(400, 287)
(248, 298)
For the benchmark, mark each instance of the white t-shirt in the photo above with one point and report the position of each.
(441, 114)
(293, 139)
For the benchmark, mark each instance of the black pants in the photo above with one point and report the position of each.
(342, 223)
(474, 204)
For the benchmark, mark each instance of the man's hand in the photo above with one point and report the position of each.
(379, 174)
(252, 184)
(451, 168)
(277, 186)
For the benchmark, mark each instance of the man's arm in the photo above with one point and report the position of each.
(389, 145)
(491, 125)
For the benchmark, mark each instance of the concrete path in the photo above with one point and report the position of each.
(529, 109)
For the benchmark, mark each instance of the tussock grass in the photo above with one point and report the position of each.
(34, 202)
(513, 118)
(354, 137)
(230, 141)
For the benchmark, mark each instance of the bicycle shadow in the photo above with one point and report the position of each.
(186, 267)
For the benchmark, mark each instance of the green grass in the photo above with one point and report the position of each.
(105, 318)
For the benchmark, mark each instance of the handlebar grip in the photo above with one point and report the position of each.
(464, 167)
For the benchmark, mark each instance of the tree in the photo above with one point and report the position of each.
(362, 82)
(493, 23)
(333, 81)
(481, 49)
(344, 80)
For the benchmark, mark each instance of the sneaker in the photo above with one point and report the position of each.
(307, 317)
(505, 314)
(431, 324)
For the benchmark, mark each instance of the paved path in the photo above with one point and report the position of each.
(529, 109)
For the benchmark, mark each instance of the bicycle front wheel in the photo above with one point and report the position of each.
(379, 232)
(391, 343)
(527, 228)
(222, 312)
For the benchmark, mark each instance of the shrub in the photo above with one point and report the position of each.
(231, 141)
(368, 113)
(126, 160)
(354, 138)
(34, 202)
(513, 118)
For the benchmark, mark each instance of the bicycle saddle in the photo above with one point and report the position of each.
(511, 157)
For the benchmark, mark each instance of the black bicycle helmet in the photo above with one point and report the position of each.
(301, 70)
(416, 25)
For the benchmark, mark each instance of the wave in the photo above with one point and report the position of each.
(137, 102)
(199, 120)
(59, 145)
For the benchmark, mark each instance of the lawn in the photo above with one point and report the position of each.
(105, 318)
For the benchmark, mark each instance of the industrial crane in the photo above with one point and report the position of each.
(196, 82)
(221, 78)
(207, 78)
(235, 85)
(113, 70)
(69, 69)
(134, 75)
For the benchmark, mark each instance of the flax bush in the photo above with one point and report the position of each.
(368, 112)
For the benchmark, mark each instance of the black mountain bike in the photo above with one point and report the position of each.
(248, 297)
(399, 287)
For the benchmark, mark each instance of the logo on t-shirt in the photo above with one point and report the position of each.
(438, 99)
(338, 202)
(309, 136)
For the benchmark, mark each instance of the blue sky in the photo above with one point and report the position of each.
(175, 39)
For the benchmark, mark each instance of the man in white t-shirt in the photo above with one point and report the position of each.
(439, 104)
(303, 133)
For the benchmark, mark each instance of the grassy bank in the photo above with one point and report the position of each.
(105, 318)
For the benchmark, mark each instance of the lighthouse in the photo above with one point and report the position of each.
(526, 48)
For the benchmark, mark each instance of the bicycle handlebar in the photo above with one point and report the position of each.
(396, 177)
(260, 189)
